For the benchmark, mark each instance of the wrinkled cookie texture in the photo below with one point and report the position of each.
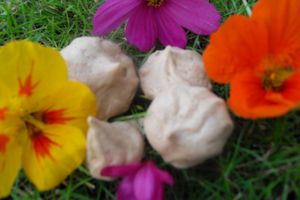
(170, 67)
(187, 125)
(115, 143)
(109, 73)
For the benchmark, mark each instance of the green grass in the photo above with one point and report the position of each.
(261, 160)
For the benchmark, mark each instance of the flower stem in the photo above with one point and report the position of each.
(248, 9)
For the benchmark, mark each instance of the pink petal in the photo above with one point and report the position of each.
(159, 193)
(199, 16)
(141, 30)
(164, 176)
(146, 184)
(169, 31)
(125, 189)
(111, 14)
(120, 170)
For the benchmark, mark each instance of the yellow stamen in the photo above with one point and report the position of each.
(274, 79)
(155, 3)
(33, 123)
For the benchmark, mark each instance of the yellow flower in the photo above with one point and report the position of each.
(42, 116)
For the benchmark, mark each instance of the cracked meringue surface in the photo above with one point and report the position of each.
(187, 125)
(116, 143)
(109, 73)
(172, 66)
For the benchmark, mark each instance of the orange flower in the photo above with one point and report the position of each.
(260, 57)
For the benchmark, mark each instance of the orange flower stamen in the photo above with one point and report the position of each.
(273, 80)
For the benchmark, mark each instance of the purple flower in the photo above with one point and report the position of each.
(141, 181)
(149, 20)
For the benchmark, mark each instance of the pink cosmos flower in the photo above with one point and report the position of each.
(149, 20)
(141, 181)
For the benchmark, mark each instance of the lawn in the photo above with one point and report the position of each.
(261, 160)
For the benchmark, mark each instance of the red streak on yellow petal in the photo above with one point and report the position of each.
(42, 145)
(56, 117)
(26, 88)
(3, 143)
(2, 113)
(2, 166)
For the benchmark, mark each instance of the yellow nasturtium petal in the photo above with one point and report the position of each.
(10, 162)
(70, 105)
(4, 91)
(42, 116)
(50, 156)
(31, 70)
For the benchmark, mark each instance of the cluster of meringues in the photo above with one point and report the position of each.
(185, 123)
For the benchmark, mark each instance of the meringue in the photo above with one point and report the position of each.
(109, 73)
(169, 67)
(187, 125)
(116, 143)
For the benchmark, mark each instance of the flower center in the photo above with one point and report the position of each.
(33, 124)
(155, 3)
(274, 79)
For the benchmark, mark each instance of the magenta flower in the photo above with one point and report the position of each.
(149, 20)
(141, 181)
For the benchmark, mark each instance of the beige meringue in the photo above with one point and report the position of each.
(187, 125)
(172, 66)
(115, 143)
(106, 70)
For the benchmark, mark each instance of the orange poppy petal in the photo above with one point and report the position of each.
(291, 88)
(238, 45)
(50, 156)
(248, 99)
(282, 20)
(10, 163)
